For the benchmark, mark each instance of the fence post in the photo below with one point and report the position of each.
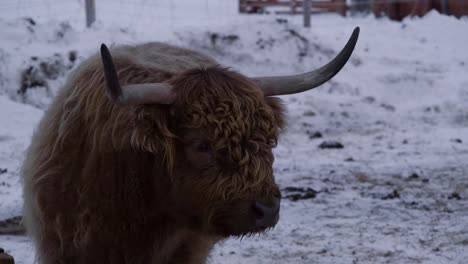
(90, 12)
(306, 12)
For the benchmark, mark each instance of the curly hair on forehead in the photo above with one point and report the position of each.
(229, 103)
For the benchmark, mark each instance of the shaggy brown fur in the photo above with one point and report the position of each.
(107, 183)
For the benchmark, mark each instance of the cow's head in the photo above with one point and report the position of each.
(223, 127)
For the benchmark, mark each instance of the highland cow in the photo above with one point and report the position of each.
(154, 154)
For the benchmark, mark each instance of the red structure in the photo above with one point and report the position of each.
(398, 9)
(394, 9)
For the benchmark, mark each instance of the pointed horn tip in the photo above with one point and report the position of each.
(355, 34)
(104, 50)
(350, 45)
(113, 89)
(355, 31)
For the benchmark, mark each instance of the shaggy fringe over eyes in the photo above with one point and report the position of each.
(243, 122)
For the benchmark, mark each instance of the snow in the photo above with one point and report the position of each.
(399, 107)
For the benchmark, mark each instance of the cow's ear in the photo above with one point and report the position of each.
(151, 131)
(279, 112)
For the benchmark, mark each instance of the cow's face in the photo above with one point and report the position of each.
(226, 130)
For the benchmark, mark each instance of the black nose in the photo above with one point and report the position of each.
(266, 215)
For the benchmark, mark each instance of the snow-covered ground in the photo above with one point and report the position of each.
(397, 192)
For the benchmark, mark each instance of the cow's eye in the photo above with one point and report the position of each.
(203, 147)
(273, 143)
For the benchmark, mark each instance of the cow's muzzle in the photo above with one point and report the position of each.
(266, 214)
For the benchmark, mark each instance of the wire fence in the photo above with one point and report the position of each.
(150, 12)
(133, 12)
(36, 9)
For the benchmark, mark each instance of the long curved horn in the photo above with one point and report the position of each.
(282, 85)
(144, 93)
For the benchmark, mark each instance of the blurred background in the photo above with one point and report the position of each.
(373, 166)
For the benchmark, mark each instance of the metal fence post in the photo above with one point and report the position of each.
(306, 12)
(90, 12)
